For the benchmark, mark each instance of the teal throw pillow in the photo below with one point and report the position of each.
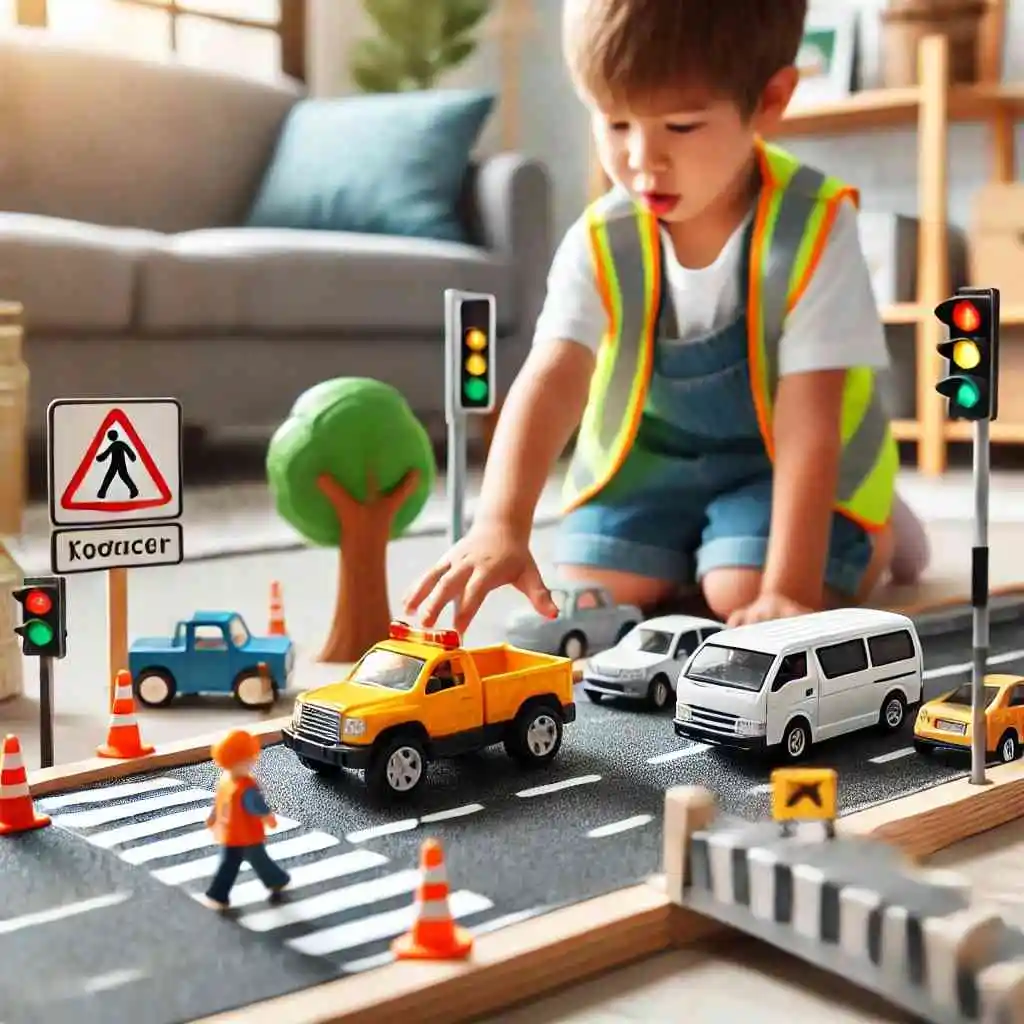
(383, 164)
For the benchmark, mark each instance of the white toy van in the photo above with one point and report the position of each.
(784, 685)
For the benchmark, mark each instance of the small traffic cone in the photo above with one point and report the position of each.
(17, 812)
(123, 737)
(434, 934)
(277, 625)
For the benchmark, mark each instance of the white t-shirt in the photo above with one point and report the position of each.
(835, 325)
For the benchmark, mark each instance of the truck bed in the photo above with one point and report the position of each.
(509, 675)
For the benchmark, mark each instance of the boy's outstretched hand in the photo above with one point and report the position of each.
(765, 608)
(488, 557)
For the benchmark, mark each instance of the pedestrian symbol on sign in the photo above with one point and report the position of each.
(117, 472)
(117, 451)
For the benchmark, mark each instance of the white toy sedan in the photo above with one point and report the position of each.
(646, 663)
(588, 620)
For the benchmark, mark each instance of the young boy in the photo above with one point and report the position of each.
(239, 818)
(711, 330)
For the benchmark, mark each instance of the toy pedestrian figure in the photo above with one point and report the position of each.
(239, 818)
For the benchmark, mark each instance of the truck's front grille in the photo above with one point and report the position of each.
(320, 723)
(713, 721)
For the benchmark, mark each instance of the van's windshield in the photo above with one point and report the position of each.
(731, 666)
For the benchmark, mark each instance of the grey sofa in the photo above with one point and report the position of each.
(122, 185)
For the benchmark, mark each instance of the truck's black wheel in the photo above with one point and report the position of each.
(154, 687)
(320, 767)
(397, 768)
(535, 735)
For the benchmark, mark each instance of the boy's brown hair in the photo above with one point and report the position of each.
(632, 50)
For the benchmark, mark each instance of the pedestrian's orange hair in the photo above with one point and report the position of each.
(237, 745)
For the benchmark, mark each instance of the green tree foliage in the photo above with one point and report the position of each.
(362, 433)
(417, 42)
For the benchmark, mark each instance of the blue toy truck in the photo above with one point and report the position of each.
(213, 652)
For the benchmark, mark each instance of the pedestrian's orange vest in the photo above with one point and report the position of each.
(235, 826)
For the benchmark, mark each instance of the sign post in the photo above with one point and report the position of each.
(114, 472)
(972, 387)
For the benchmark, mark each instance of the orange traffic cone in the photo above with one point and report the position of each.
(17, 812)
(434, 935)
(277, 625)
(123, 737)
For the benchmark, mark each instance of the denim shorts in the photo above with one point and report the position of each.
(650, 536)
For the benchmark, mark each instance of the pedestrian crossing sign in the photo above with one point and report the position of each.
(111, 461)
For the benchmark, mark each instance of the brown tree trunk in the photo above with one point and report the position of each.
(362, 612)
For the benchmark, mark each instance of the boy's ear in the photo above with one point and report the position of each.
(774, 100)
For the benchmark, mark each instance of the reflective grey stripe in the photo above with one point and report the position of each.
(797, 205)
(862, 449)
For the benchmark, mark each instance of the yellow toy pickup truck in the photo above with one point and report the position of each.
(419, 696)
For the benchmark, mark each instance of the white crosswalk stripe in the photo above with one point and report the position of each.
(344, 900)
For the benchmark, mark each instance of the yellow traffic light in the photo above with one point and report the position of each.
(476, 340)
(476, 365)
(966, 354)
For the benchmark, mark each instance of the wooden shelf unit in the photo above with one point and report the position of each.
(933, 105)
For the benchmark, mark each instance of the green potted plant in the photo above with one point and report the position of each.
(417, 42)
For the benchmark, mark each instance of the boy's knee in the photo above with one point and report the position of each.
(728, 590)
(625, 587)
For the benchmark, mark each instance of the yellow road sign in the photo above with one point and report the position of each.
(804, 794)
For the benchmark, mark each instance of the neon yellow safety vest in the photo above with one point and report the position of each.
(795, 212)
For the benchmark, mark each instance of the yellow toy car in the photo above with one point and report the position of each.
(945, 723)
(419, 696)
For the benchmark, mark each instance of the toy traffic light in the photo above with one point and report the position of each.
(972, 384)
(43, 630)
(475, 375)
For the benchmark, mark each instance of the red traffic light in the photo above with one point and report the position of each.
(38, 602)
(966, 316)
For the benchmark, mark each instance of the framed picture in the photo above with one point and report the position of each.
(827, 59)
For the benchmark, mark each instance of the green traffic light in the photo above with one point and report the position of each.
(39, 633)
(968, 395)
(475, 390)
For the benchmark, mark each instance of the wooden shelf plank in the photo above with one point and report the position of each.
(1002, 433)
(898, 108)
(913, 312)
(906, 430)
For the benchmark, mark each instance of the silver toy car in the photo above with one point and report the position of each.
(646, 663)
(588, 620)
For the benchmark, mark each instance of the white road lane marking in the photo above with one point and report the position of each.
(555, 787)
(99, 796)
(892, 755)
(955, 670)
(16, 924)
(198, 840)
(297, 846)
(678, 755)
(388, 925)
(104, 815)
(615, 827)
(761, 787)
(455, 812)
(143, 829)
(388, 829)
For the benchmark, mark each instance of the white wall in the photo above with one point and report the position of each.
(883, 165)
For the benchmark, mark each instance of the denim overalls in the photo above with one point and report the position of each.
(695, 491)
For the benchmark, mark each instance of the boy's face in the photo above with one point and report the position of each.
(680, 152)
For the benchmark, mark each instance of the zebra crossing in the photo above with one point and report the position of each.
(345, 902)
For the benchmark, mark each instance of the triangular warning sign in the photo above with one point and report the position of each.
(110, 480)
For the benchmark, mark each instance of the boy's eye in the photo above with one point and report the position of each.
(618, 126)
(683, 129)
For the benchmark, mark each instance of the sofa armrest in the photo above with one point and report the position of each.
(511, 207)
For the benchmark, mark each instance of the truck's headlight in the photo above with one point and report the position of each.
(748, 727)
(683, 712)
(296, 714)
(353, 727)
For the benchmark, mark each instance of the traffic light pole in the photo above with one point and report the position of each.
(456, 483)
(979, 601)
(46, 712)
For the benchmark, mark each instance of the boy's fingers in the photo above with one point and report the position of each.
(478, 587)
(449, 585)
(418, 591)
(532, 587)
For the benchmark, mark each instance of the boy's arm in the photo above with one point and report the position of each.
(544, 406)
(807, 453)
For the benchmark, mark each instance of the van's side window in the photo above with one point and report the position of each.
(793, 667)
(890, 647)
(843, 659)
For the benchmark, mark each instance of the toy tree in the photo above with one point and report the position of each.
(417, 42)
(352, 468)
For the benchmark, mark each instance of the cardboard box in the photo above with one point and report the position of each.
(997, 241)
